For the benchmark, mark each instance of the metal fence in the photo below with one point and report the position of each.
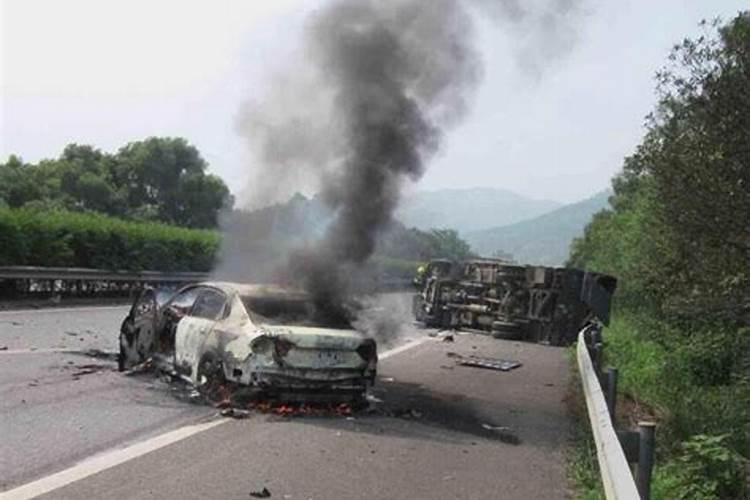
(617, 451)
(19, 281)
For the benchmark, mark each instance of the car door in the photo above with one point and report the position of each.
(192, 332)
(138, 330)
(172, 314)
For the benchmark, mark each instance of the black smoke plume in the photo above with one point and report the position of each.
(356, 117)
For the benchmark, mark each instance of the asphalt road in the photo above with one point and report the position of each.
(435, 430)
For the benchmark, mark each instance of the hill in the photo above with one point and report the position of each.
(540, 240)
(469, 209)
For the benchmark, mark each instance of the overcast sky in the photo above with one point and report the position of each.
(108, 72)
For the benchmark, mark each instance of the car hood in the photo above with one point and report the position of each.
(316, 337)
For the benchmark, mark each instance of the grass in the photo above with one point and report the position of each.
(703, 427)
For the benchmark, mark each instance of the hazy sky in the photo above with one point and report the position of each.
(105, 72)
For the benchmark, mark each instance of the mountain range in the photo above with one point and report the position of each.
(469, 209)
(544, 239)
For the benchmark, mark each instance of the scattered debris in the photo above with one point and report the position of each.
(448, 338)
(489, 363)
(235, 413)
(387, 379)
(141, 367)
(504, 434)
(409, 413)
(373, 399)
(264, 493)
(500, 428)
(4, 348)
(447, 367)
(88, 370)
(224, 404)
(99, 354)
(72, 334)
(503, 365)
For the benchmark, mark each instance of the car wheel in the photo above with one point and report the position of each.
(211, 380)
(121, 357)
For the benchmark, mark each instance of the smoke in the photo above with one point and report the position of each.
(542, 31)
(360, 114)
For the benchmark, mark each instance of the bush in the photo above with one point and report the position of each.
(73, 239)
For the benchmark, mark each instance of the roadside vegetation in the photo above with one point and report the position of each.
(70, 239)
(678, 238)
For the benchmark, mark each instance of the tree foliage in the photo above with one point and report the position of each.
(678, 233)
(678, 238)
(158, 179)
(75, 239)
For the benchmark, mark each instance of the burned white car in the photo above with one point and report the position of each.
(264, 338)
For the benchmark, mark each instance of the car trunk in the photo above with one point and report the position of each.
(314, 348)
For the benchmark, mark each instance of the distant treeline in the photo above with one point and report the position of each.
(678, 237)
(158, 179)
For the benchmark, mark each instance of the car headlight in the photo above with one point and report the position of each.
(262, 345)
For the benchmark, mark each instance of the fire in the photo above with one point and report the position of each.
(308, 409)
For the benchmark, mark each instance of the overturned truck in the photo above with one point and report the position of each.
(493, 296)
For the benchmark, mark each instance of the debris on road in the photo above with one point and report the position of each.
(488, 363)
(502, 365)
(448, 338)
(147, 365)
(409, 413)
(235, 413)
(264, 493)
(4, 348)
(99, 354)
(504, 434)
(88, 370)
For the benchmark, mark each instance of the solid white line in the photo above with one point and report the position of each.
(116, 457)
(104, 461)
(40, 351)
(62, 309)
(399, 349)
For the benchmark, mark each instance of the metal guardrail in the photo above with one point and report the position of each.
(615, 450)
(85, 274)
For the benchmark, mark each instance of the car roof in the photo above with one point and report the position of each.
(257, 290)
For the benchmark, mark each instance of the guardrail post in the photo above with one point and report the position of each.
(612, 392)
(646, 431)
(596, 358)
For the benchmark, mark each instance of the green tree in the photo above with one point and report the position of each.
(17, 184)
(166, 177)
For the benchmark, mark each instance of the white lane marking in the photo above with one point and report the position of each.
(107, 460)
(399, 349)
(40, 351)
(98, 463)
(63, 309)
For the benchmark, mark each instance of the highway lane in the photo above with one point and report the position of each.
(60, 405)
(440, 430)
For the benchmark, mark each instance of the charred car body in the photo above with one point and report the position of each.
(260, 337)
(493, 296)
